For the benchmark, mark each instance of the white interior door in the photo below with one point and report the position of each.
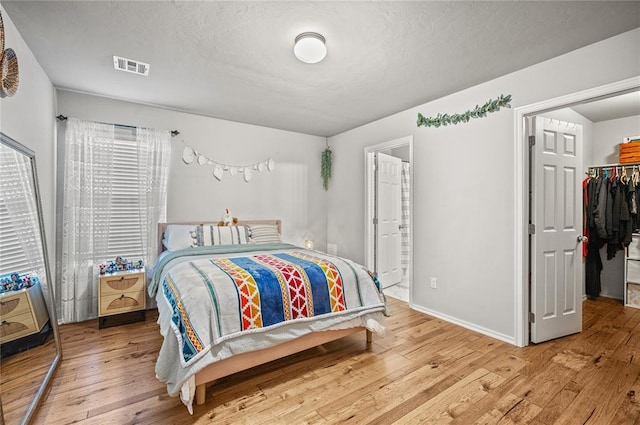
(556, 213)
(389, 216)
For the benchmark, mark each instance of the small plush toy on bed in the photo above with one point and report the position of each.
(227, 220)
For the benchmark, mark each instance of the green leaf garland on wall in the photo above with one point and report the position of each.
(325, 168)
(477, 112)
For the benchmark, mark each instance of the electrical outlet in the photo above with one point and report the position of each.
(434, 283)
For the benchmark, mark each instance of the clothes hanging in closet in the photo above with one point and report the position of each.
(594, 206)
(610, 217)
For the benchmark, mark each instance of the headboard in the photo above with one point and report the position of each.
(163, 226)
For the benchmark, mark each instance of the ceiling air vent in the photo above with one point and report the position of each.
(129, 65)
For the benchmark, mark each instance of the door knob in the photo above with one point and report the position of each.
(583, 238)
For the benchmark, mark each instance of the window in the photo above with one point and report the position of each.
(115, 184)
(125, 221)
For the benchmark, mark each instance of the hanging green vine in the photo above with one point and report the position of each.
(325, 167)
(478, 112)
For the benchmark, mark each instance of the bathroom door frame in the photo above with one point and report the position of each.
(369, 207)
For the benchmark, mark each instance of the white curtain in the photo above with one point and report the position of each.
(405, 245)
(88, 166)
(154, 154)
(88, 180)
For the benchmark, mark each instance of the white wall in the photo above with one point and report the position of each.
(28, 118)
(293, 192)
(607, 135)
(403, 152)
(464, 223)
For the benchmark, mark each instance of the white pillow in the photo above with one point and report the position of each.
(207, 235)
(264, 233)
(179, 236)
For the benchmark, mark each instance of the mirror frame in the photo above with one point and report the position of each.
(49, 301)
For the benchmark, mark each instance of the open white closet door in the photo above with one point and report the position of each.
(389, 219)
(556, 214)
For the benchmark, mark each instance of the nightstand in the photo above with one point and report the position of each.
(121, 298)
(22, 312)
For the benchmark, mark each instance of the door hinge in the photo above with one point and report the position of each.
(532, 317)
(375, 220)
(532, 140)
(532, 229)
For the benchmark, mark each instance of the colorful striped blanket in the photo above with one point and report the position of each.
(213, 297)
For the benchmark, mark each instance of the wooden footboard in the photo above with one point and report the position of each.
(245, 361)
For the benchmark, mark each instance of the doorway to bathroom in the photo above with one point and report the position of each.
(388, 214)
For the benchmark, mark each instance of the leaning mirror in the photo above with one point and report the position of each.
(30, 348)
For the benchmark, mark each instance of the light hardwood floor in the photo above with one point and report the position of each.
(423, 371)
(17, 389)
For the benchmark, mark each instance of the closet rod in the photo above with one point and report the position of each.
(630, 164)
(64, 118)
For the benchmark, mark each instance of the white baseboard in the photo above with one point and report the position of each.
(488, 332)
(602, 294)
(615, 297)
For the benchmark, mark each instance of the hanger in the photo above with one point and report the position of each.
(623, 177)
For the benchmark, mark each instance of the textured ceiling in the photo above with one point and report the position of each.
(622, 106)
(233, 60)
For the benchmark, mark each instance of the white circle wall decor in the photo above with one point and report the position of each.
(188, 155)
(218, 172)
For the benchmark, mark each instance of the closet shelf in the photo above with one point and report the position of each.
(629, 164)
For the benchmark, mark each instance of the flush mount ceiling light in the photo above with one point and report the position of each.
(310, 47)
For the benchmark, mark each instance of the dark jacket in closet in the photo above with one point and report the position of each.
(599, 209)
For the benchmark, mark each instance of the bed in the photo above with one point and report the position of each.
(234, 297)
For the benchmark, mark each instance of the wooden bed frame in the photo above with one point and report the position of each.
(245, 361)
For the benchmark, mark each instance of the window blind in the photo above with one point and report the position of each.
(21, 248)
(125, 228)
(13, 258)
